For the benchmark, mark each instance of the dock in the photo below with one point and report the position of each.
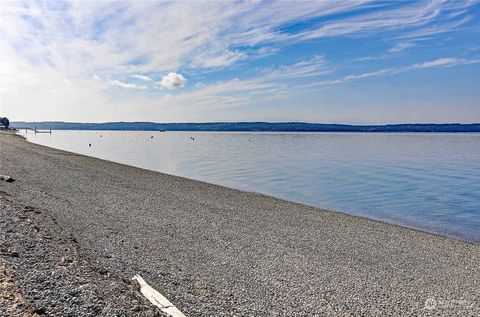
(35, 130)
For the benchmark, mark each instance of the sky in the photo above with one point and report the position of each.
(355, 61)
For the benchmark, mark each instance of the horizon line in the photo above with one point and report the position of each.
(250, 122)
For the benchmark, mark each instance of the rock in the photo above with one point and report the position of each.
(135, 284)
(13, 254)
(136, 308)
(40, 310)
(28, 209)
(7, 178)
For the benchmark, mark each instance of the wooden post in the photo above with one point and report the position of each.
(35, 129)
(50, 130)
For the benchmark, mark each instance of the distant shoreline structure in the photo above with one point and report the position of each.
(251, 127)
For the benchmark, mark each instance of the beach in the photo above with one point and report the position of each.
(76, 229)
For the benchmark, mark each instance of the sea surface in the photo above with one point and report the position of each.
(425, 181)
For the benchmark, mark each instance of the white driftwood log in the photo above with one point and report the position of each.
(156, 298)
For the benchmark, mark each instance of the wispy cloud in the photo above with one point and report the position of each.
(431, 30)
(141, 77)
(444, 62)
(415, 18)
(127, 85)
(314, 67)
(219, 59)
(441, 62)
(123, 37)
(394, 51)
(401, 46)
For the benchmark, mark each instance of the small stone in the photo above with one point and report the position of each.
(136, 308)
(39, 310)
(135, 284)
(103, 271)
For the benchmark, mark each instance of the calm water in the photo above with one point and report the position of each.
(426, 181)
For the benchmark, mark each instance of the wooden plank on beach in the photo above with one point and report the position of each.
(156, 298)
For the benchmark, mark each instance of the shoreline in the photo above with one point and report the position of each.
(216, 250)
(458, 236)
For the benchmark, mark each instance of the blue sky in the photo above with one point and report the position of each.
(356, 61)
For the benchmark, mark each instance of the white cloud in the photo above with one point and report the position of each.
(392, 52)
(438, 28)
(402, 46)
(441, 62)
(225, 58)
(127, 85)
(111, 38)
(313, 67)
(206, 97)
(172, 81)
(141, 77)
(416, 19)
(225, 94)
(265, 51)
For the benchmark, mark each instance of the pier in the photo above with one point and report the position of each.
(35, 130)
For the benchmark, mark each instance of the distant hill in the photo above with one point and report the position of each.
(251, 126)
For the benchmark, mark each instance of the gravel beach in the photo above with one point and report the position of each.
(74, 230)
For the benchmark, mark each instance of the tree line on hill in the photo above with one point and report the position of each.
(251, 126)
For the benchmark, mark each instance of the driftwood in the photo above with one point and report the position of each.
(6, 178)
(156, 298)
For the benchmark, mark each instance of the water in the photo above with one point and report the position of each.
(425, 181)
